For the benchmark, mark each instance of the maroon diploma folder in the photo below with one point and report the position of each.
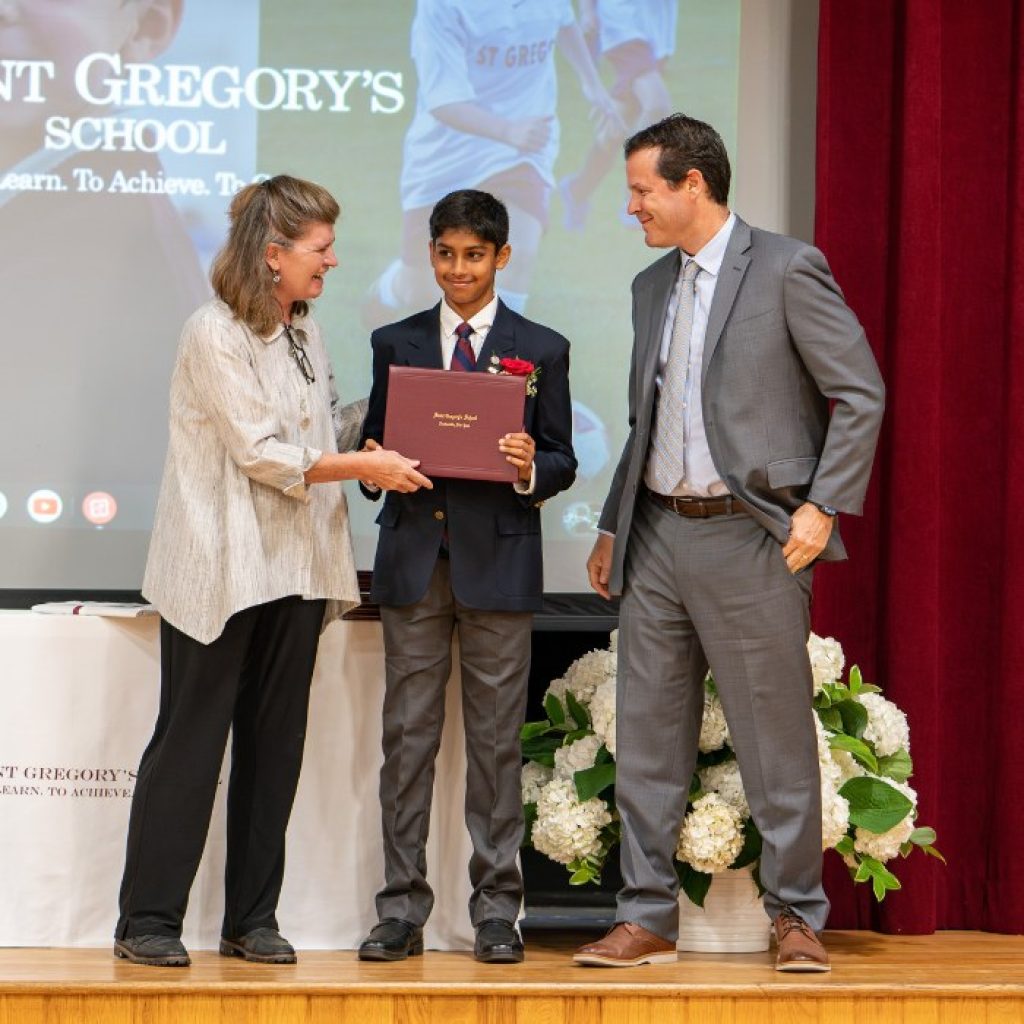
(451, 421)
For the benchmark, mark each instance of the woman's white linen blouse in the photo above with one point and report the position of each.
(236, 525)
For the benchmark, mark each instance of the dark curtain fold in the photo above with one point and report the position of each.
(920, 206)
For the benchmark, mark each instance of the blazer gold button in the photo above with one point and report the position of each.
(439, 514)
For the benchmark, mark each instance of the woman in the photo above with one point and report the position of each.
(248, 561)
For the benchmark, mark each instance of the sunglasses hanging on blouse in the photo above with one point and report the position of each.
(299, 355)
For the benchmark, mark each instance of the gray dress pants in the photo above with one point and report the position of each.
(718, 592)
(494, 650)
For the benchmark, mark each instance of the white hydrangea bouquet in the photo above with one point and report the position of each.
(869, 811)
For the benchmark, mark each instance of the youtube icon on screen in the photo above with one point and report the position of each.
(45, 506)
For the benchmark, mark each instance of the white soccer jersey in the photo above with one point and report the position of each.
(500, 56)
(650, 21)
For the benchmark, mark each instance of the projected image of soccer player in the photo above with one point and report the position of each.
(636, 37)
(486, 118)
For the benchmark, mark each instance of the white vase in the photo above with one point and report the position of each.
(733, 919)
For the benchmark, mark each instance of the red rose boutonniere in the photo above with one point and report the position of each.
(517, 368)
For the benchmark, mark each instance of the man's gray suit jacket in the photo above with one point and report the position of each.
(781, 346)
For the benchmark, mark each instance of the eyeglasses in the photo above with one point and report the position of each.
(299, 355)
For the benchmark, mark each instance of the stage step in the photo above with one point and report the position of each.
(947, 978)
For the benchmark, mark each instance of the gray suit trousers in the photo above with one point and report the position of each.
(494, 650)
(714, 591)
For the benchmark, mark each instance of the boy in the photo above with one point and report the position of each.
(466, 553)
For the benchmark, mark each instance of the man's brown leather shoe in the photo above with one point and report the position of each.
(799, 949)
(627, 945)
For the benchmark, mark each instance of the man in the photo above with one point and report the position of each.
(726, 494)
(467, 553)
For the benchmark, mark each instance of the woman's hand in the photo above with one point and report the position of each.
(391, 471)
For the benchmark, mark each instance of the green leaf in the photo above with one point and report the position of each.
(856, 680)
(577, 710)
(836, 692)
(896, 766)
(845, 846)
(530, 818)
(831, 719)
(603, 756)
(532, 729)
(882, 879)
(869, 688)
(854, 716)
(858, 748)
(541, 749)
(592, 781)
(923, 836)
(554, 710)
(751, 849)
(695, 790)
(874, 804)
(693, 882)
(932, 852)
(822, 700)
(576, 734)
(582, 876)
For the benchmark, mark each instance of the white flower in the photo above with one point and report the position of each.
(535, 778)
(724, 779)
(714, 732)
(885, 845)
(567, 829)
(887, 727)
(577, 756)
(830, 770)
(849, 767)
(613, 641)
(835, 816)
(584, 676)
(602, 713)
(827, 660)
(711, 836)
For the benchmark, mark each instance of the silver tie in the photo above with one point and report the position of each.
(666, 465)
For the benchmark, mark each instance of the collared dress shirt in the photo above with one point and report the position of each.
(702, 478)
(236, 525)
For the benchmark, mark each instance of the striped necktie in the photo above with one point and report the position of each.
(666, 464)
(463, 357)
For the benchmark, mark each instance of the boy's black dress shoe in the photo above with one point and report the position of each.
(392, 939)
(153, 951)
(497, 942)
(260, 946)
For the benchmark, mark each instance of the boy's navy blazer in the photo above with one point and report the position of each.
(494, 537)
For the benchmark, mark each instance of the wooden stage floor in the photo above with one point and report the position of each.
(950, 978)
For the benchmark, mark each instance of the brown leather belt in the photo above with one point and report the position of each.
(699, 508)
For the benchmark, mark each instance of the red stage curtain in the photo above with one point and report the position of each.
(920, 193)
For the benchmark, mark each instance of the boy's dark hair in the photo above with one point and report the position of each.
(468, 209)
(686, 143)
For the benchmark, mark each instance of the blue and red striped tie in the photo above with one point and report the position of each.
(463, 357)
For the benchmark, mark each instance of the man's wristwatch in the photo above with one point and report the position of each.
(827, 509)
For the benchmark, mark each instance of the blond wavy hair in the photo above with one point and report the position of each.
(280, 210)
